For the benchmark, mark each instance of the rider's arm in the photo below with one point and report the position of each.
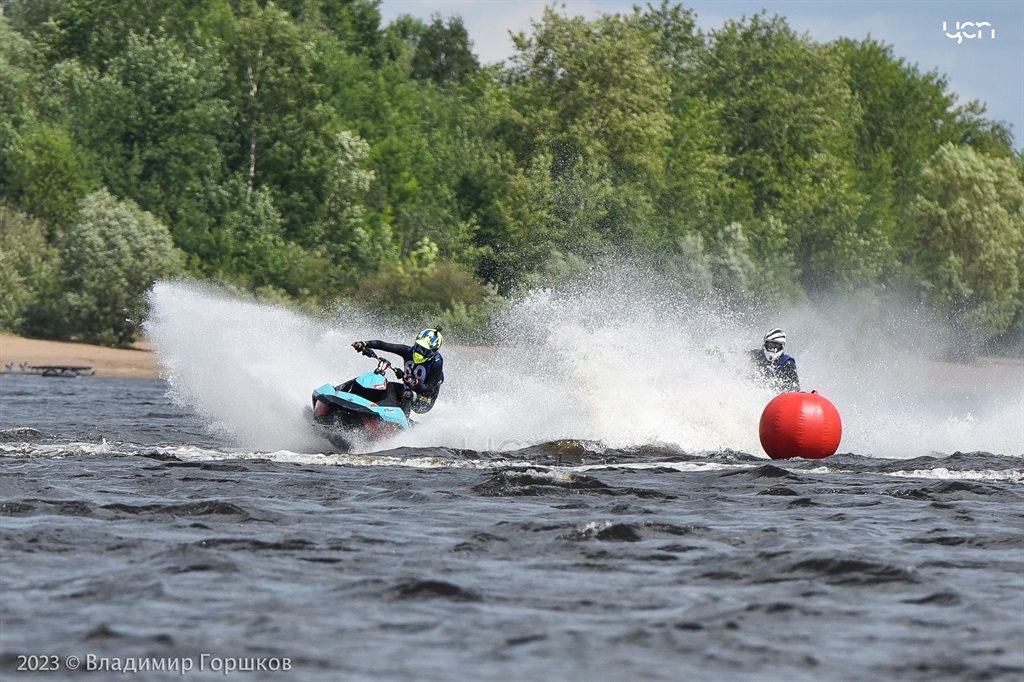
(396, 348)
(788, 374)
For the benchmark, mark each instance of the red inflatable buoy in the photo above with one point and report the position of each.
(800, 425)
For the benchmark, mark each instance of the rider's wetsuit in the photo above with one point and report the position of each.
(429, 375)
(779, 374)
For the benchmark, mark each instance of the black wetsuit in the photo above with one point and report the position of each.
(429, 374)
(779, 374)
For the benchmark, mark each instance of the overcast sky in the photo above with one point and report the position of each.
(985, 68)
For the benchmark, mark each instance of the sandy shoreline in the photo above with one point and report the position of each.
(107, 362)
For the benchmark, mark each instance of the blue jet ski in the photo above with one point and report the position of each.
(363, 410)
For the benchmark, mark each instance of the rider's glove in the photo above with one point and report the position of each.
(360, 346)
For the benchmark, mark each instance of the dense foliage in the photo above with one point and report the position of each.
(304, 151)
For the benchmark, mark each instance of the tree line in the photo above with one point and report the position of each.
(305, 152)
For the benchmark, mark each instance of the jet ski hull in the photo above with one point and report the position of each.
(360, 412)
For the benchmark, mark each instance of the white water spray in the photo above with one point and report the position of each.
(624, 364)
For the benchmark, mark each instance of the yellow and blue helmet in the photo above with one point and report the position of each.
(426, 345)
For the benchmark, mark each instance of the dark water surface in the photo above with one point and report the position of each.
(128, 533)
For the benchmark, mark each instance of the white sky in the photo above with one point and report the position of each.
(983, 68)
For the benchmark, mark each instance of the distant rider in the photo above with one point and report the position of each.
(773, 367)
(424, 367)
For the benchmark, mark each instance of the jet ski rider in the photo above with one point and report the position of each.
(424, 367)
(772, 366)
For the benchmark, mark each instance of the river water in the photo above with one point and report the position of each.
(194, 522)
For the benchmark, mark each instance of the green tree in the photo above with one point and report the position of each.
(408, 194)
(350, 241)
(48, 174)
(153, 129)
(42, 168)
(905, 116)
(168, 127)
(20, 65)
(733, 269)
(592, 90)
(695, 197)
(789, 118)
(92, 31)
(28, 16)
(595, 99)
(969, 219)
(514, 210)
(20, 70)
(444, 52)
(251, 251)
(29, 268)
(285, 124)
(293, 146)
(904, 113)
(355, 23)
(111, 257)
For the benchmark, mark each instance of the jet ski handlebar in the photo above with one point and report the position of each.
(383, 365)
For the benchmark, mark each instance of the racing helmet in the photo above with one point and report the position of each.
(426, 345)
(774, 342)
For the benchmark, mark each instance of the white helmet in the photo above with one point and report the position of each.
(774, 342)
